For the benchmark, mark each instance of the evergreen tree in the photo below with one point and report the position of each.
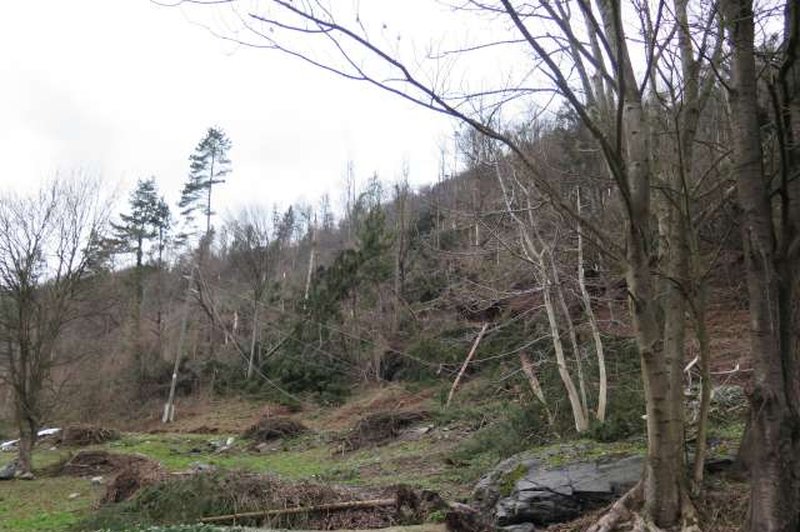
(162, 223)
(208, 166)
(148, 219)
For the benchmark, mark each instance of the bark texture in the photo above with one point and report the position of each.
(774, 421)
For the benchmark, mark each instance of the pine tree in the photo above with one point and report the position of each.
(208, 166)
(147, 221)
(148, 218)
(162, 222)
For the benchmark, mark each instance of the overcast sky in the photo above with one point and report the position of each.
(126, 89)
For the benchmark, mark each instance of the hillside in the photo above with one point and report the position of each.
(474, 336)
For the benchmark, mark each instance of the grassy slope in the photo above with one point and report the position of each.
(426, 462)
(45, 504)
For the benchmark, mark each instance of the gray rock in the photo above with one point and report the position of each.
(199, 467)
(544, 495)
(523, 527)
(487, 491)
(27, 475)
(8, 471)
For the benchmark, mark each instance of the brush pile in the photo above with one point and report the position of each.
(82, 435)
(380, 428)
(272, 428)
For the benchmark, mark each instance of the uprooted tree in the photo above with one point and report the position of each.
(614, 65)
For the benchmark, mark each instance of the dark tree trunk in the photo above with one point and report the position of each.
(28, 430)
(774, 422)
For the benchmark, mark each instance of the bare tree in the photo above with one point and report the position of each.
(771, 237)
(588, 55)
(538, 252)
(49, 246)
(256, 255)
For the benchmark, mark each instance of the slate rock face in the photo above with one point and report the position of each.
(542, 495)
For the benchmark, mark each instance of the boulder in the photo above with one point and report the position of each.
(526, 490)
(8, 471)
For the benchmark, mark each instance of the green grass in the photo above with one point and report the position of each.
(44, 504)
(484, 427)
(308, 457)
(42, 457)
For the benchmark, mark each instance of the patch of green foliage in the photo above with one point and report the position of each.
(231, 381)
(617, 426)
(436, 516)
(170, 502)
(510, 479)
(521, 427)
(432, 350)
(43, 457)
(179, 451)
(323, 377)
(625, 392)
(731, 431)
(318, 359)
(560, 454)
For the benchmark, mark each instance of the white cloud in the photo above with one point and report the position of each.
(127, 89)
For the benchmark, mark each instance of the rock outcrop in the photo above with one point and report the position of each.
(528, 490)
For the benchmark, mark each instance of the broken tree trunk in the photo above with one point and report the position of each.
(527, 368)
(465, 364)
(253, 340)
(311, 256)
(169, 407)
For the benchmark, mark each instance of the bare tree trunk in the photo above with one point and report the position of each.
(602, 392)
(169, 407)
(27, 440)
(253, 339)
(536, 256)
(674, 308)
(773, 422)
(573, 340)
(701, 332)
(581, 423)
(663, 471)
(401, 245)
(311, 256)
(28, 429)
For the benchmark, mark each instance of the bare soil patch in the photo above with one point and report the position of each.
(200, 415)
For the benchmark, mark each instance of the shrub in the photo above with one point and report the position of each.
(522, 427)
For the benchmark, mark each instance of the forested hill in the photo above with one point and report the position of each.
(308, 303)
